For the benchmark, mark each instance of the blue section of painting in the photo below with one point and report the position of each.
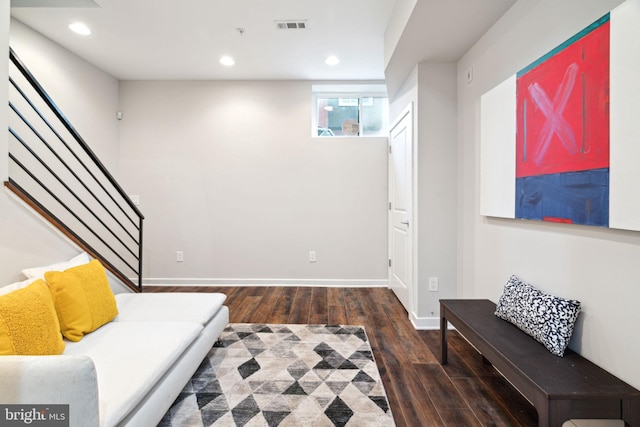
(579, 197)
(562, 46)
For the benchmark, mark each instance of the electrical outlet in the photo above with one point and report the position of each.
(179, 256)
(433, 284)
(312, 256)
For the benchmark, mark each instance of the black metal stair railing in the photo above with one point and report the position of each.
(54, 171)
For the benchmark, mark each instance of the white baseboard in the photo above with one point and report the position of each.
(424, 322)
(333, 283)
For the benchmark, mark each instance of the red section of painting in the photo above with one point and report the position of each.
(559, 220)
(563, 109)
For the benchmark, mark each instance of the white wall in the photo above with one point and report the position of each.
(88, 97)
(437, 184)
(407, 94)
(399, 19)
(597, 266)
(431, 89)
(85, 94)
(228, 173)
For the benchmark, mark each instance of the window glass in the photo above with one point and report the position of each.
(351, 116)
(375, 113)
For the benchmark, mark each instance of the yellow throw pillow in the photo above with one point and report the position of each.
(84, 301)
(100, 297)
(28, 322)
(71, 304)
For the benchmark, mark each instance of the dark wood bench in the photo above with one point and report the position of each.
(560, 388)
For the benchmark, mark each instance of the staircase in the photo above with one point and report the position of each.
(53, 170)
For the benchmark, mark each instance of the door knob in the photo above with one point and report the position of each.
(405, 223)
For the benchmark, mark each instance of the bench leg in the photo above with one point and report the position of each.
(631, 412)
(443, 340)
(554, 414)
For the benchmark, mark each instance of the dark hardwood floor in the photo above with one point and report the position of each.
(421, 392)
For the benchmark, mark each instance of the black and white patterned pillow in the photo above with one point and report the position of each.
(547, 318)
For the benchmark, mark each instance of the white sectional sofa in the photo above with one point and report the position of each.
(129, 371)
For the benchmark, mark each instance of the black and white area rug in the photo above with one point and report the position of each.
(285, 375)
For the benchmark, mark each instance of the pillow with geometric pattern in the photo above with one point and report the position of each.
(547, 318)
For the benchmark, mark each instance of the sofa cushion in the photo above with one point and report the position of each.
(130, 357)
(28, 322)
(178, 306)
(15, 286)
(38, 272)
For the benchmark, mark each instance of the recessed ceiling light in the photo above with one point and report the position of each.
(332, 60)
(80, 28)
(227, 60)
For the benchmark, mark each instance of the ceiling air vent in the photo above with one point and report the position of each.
(291, 25)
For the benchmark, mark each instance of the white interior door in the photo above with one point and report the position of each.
(400, 208)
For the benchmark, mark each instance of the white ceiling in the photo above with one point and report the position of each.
(170, 39)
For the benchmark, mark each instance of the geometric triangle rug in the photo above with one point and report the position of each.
(285, 375)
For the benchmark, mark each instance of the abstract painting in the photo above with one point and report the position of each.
(560, 139)
(562, 132)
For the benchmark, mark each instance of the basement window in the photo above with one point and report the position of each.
(350, 110)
